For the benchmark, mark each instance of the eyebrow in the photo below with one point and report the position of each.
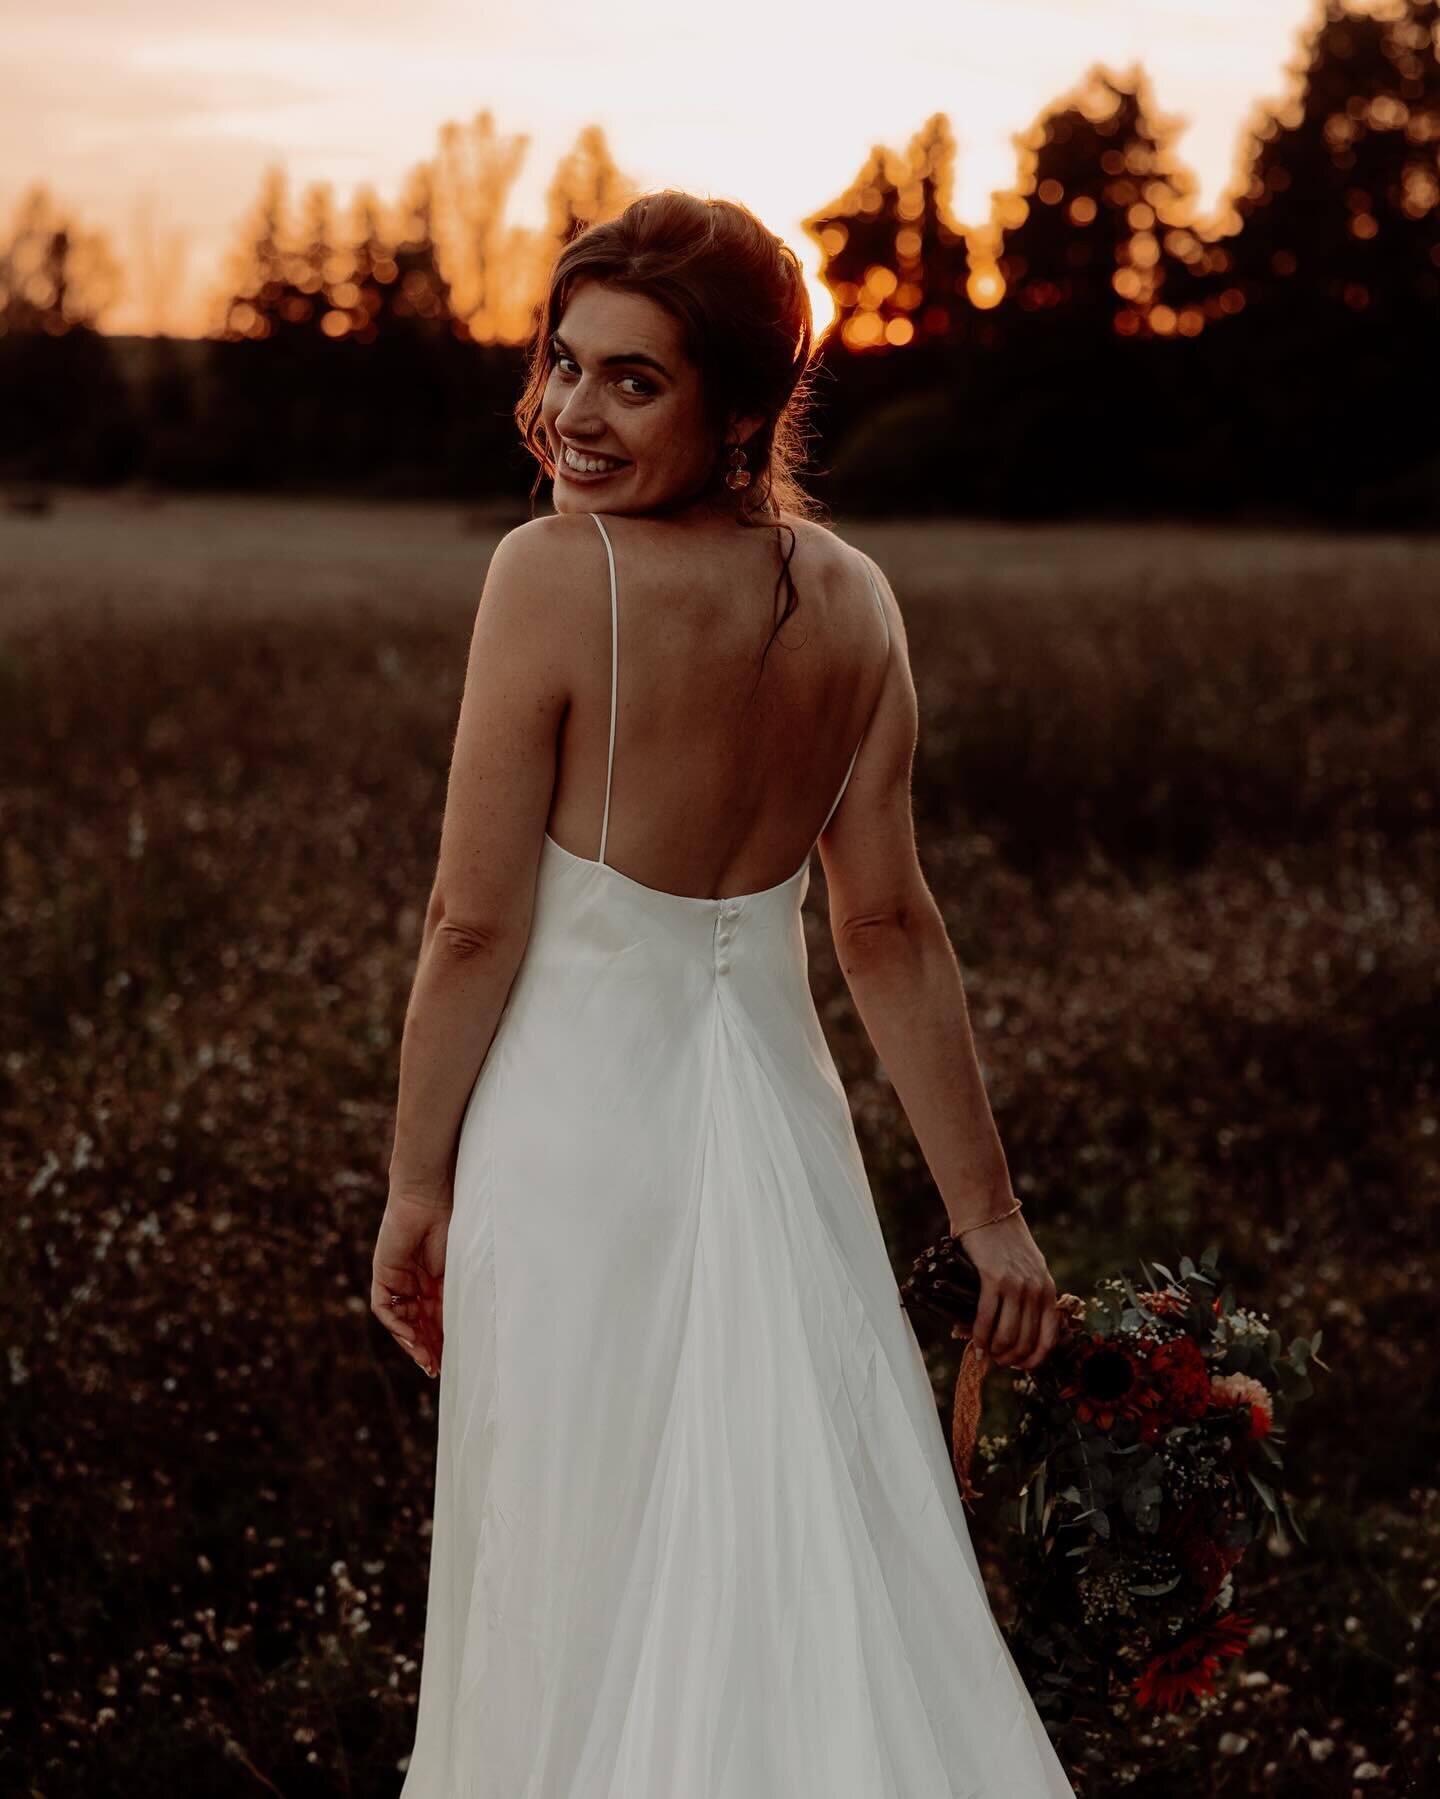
(635, 356)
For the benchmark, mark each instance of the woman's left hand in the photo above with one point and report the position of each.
(408, 1274)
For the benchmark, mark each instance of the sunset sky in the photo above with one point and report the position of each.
(179, 108)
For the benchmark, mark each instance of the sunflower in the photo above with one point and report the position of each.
(1187, 1669)
(1109, 1381)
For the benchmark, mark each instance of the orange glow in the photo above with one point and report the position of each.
(184, 112)
(985, 287)
(1144, 250)
(1011, 211)
(862, 331)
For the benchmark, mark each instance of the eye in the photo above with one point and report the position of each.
(645, 386)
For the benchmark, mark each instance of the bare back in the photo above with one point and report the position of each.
(720, 778)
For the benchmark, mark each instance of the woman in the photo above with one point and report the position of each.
(696, 1531)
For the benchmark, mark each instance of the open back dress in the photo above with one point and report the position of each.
(696, 1530)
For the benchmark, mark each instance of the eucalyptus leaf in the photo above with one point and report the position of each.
(1264, 1490)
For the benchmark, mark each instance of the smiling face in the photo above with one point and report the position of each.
(621, 389)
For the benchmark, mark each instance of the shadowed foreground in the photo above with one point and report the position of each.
(1176, 795)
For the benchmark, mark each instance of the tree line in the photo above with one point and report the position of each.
(1093, 345)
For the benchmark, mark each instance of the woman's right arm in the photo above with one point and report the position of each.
(903, 974)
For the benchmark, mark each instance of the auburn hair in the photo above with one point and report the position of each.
(738, 293)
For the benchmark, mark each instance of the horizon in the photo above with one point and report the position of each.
(107, 131)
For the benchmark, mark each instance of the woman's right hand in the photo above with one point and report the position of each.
(1017, 1322)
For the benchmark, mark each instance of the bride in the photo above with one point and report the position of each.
(696, 1531)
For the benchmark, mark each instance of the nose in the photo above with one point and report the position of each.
(575, 419)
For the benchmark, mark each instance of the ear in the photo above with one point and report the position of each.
(741, 430)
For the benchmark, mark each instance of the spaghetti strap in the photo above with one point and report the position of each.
(614, 684)
(614, 661)
(885, 619)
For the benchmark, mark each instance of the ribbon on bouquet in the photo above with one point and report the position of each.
(970, 1392)
(944, 1281)
(965, 1421)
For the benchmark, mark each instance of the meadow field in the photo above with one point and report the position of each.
(1176, 793)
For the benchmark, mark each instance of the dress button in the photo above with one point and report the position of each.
(722, 966)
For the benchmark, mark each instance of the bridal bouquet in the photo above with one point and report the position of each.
(1147, 1455)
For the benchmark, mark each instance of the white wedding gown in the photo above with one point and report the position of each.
(696, 1531)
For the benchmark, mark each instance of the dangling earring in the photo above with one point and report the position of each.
(739, 475)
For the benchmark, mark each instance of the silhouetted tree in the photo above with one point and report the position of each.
(1342, 204)
(1097, 179)
(586, 188)
(319, 266)
(373, 267)
(419, 300)
(260, 269)
(471, 178)
(65, 410)
(54, 276)
(856, 235)
(893, 258)
(932, 256)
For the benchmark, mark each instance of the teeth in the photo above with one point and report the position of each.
(589, 465)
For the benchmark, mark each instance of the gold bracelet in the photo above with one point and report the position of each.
(984, 1221)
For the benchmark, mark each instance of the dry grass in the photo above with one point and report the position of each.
(1177, 794)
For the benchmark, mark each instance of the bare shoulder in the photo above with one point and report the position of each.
(831, 551)
(552, 540)
(542, 606)
(846, 556)
(549, 565)
(815, 538)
